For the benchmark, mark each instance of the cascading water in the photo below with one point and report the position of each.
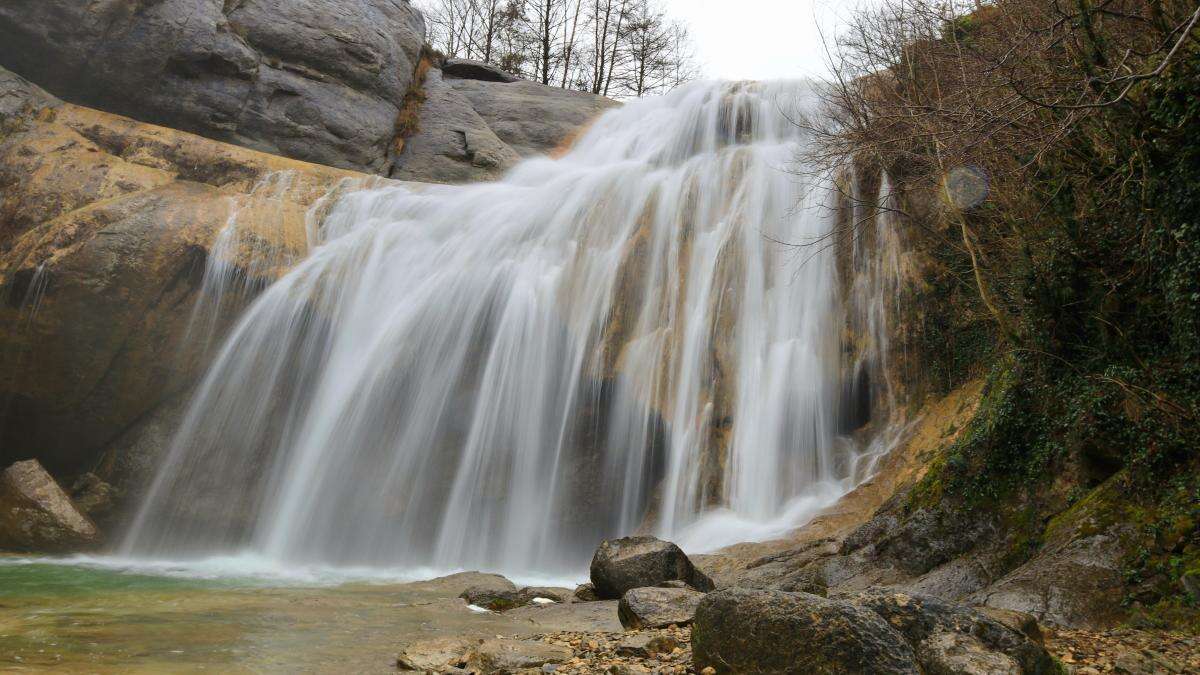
(497, 376)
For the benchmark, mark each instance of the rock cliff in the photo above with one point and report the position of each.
(105, 228)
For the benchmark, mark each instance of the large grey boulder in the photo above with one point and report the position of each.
(741, 630)
(37, 515)
(643, 608)
(620, 565)
(318, 80)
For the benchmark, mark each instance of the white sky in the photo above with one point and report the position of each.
(762, 39)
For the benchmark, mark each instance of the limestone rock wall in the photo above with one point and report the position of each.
(105, 228)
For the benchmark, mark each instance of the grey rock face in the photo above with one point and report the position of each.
(476, 127)
(740, 630)
(453, 144)
(643, 608)
(531, 118)
(319, 80)
(950, 638)
(621, 565)
(503, 598)
(36, 515)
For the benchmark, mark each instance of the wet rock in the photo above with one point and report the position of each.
(317, 80)
(953, 638)
(742, 630)
(495, 599)
(530, 118)
(476, 70)
(586, 593)
(435, 654)
(658, 607)
(36, 515)
(503, 656)
(530, 593)
(620, 565)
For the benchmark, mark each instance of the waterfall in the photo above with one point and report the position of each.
(641, 335)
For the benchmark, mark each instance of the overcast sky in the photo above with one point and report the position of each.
(761, 39)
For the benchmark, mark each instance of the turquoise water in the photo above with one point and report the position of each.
(80, 616)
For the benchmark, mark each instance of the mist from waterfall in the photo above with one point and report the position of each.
(497, 376)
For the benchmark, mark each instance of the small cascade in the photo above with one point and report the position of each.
(34, 287)
(496, 376)
(872, 308)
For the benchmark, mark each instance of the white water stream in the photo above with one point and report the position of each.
(497, 376)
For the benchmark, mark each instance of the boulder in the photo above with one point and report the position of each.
(620, 565)
(642, 608)
(951, 638)
(468, 69)
(317, 80)
(453, 144)
(740, 630)
(36, 515)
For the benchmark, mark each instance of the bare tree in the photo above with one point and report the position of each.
(657, 54)
(635, 50)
